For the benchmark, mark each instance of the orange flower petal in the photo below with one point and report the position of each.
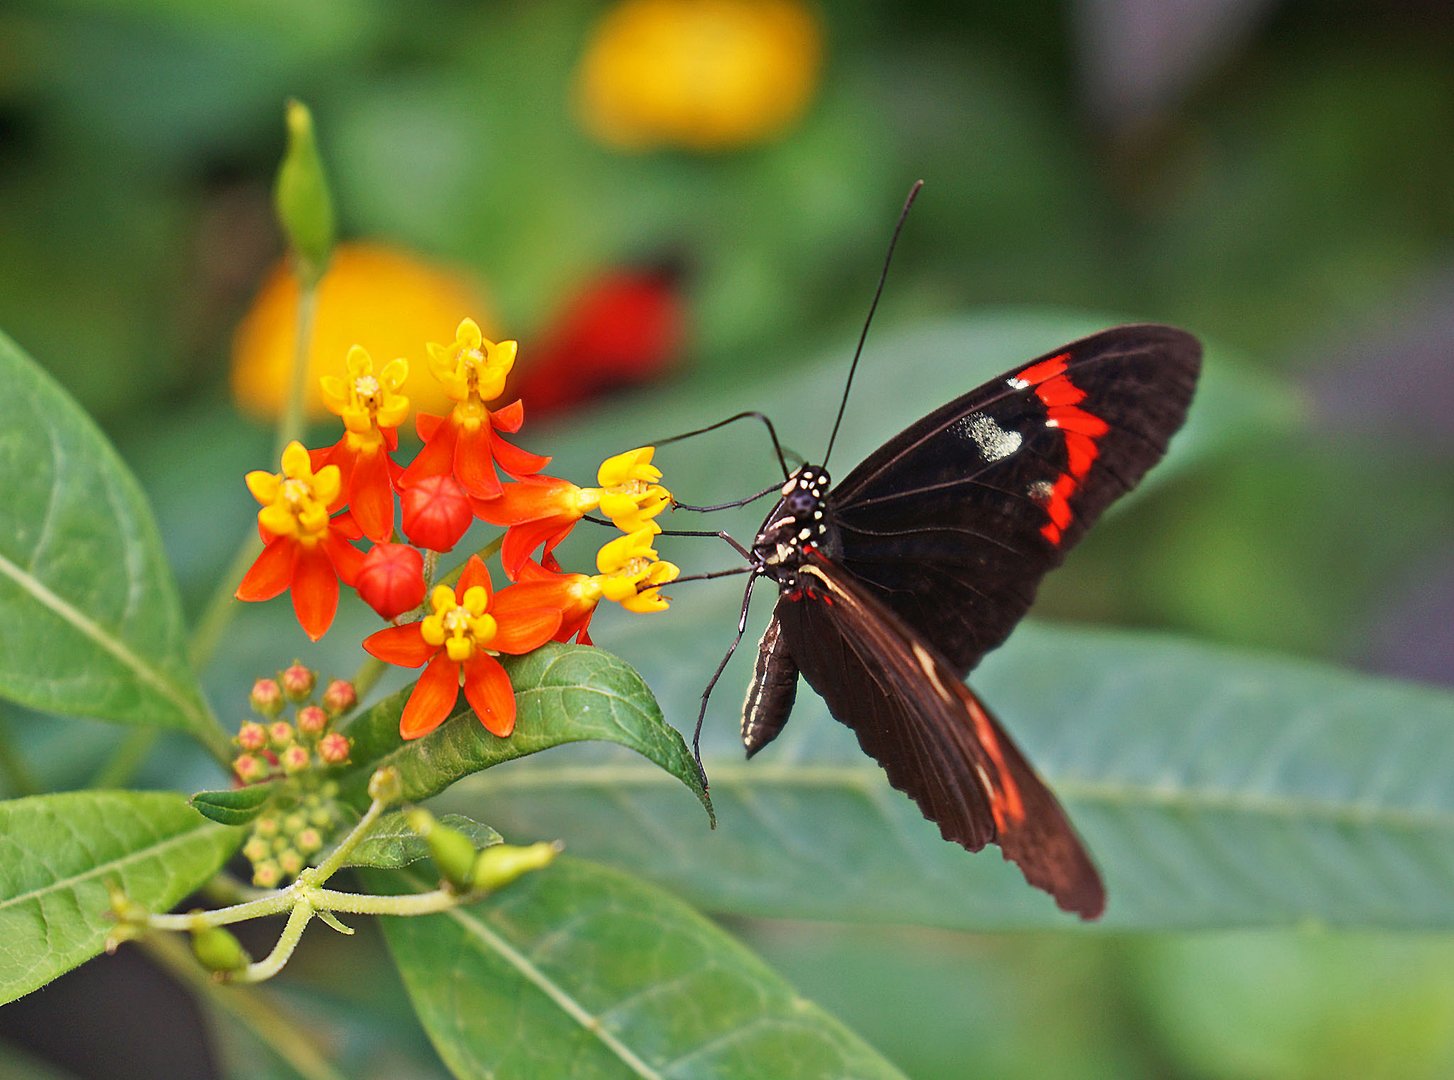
(401, 645)
(518, 463)
(526, 629)
(436, 456)
(371, 496)
(475, 573)
(315, 591)
(534, 498)
(271, 573)
(344, 559)
(432, 700)
(489, 692)
(509, 418)
(473, 465)
(426, 424)
(522, 540)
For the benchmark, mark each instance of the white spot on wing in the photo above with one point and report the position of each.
(993, 441)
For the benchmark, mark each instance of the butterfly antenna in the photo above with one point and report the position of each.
(882, 277)
(777, 447)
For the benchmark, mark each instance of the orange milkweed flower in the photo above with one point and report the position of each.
(466, 443)
(631, 575)
(458, 640)
(371, 409)
(306, 551)
(540, 511)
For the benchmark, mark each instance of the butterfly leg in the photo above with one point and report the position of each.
(712, 682)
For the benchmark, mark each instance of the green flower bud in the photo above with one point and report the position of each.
(452, 851)
(498, 865)
(301, 198)
(218, 950)
(386, 785)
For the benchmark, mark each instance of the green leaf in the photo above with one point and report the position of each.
(581, 971)
(234, 806)
(59, 852)
(392, 845)
(91, 622)
(564, 694)
(1214, 787)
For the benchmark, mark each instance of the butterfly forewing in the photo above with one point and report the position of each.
(953, 522)
(932, 736)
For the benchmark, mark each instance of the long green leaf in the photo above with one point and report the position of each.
(1215, 788)
(564, 694)
(91, 625)
(58, 853)
(581, 971)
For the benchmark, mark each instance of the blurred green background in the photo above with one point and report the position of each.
(1276, 177)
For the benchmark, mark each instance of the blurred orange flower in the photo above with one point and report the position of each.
(699, 74)
(379, 297)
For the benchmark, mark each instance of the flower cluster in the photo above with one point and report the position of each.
(327, 501)
(302, 815)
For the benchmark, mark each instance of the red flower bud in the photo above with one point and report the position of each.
(391, 580)
(334, 747)
(267, 697)
(280, 734)
(252, 736)
(339, 697)
(296, 759)
(436, 512)
(298, 681)
(312, 721)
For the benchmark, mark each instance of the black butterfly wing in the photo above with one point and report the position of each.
(953, 522)
(932, 736)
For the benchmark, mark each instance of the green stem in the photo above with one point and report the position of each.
(291, 425)
(264, 969)
(274, 1028)
(17, 776)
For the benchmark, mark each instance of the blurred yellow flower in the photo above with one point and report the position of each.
(699, 74)
(381, 298)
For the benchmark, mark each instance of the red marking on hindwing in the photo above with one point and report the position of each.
(1006, 805)
(1080, 428)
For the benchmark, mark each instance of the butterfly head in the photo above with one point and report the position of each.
(798, 524)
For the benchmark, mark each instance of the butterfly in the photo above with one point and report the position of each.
(895, 582)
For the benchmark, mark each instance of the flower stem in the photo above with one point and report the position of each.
(264, 969)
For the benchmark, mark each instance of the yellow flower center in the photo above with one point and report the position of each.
(295, 502)
(460, 624)
(472, 369)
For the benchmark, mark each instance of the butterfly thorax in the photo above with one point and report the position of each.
(798, 527)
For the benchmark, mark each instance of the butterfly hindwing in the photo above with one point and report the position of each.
(953, 522)
(933, 737)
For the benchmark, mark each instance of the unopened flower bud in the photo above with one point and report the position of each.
(297, 681)
(452, 851)
(252, 736)
(333, 748)
(308, 840)
(339, 697)
(217, 950)
(266, 697)
(312, 721)
(250, 768)
(437, 512)
(266, 826)
(295, 823)
(256, 849)
(290, 862)
(498, 865)
(280, 734)
(321, 816)
(266, 875)
(386, 785)
(391, 579)
(295, 759)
